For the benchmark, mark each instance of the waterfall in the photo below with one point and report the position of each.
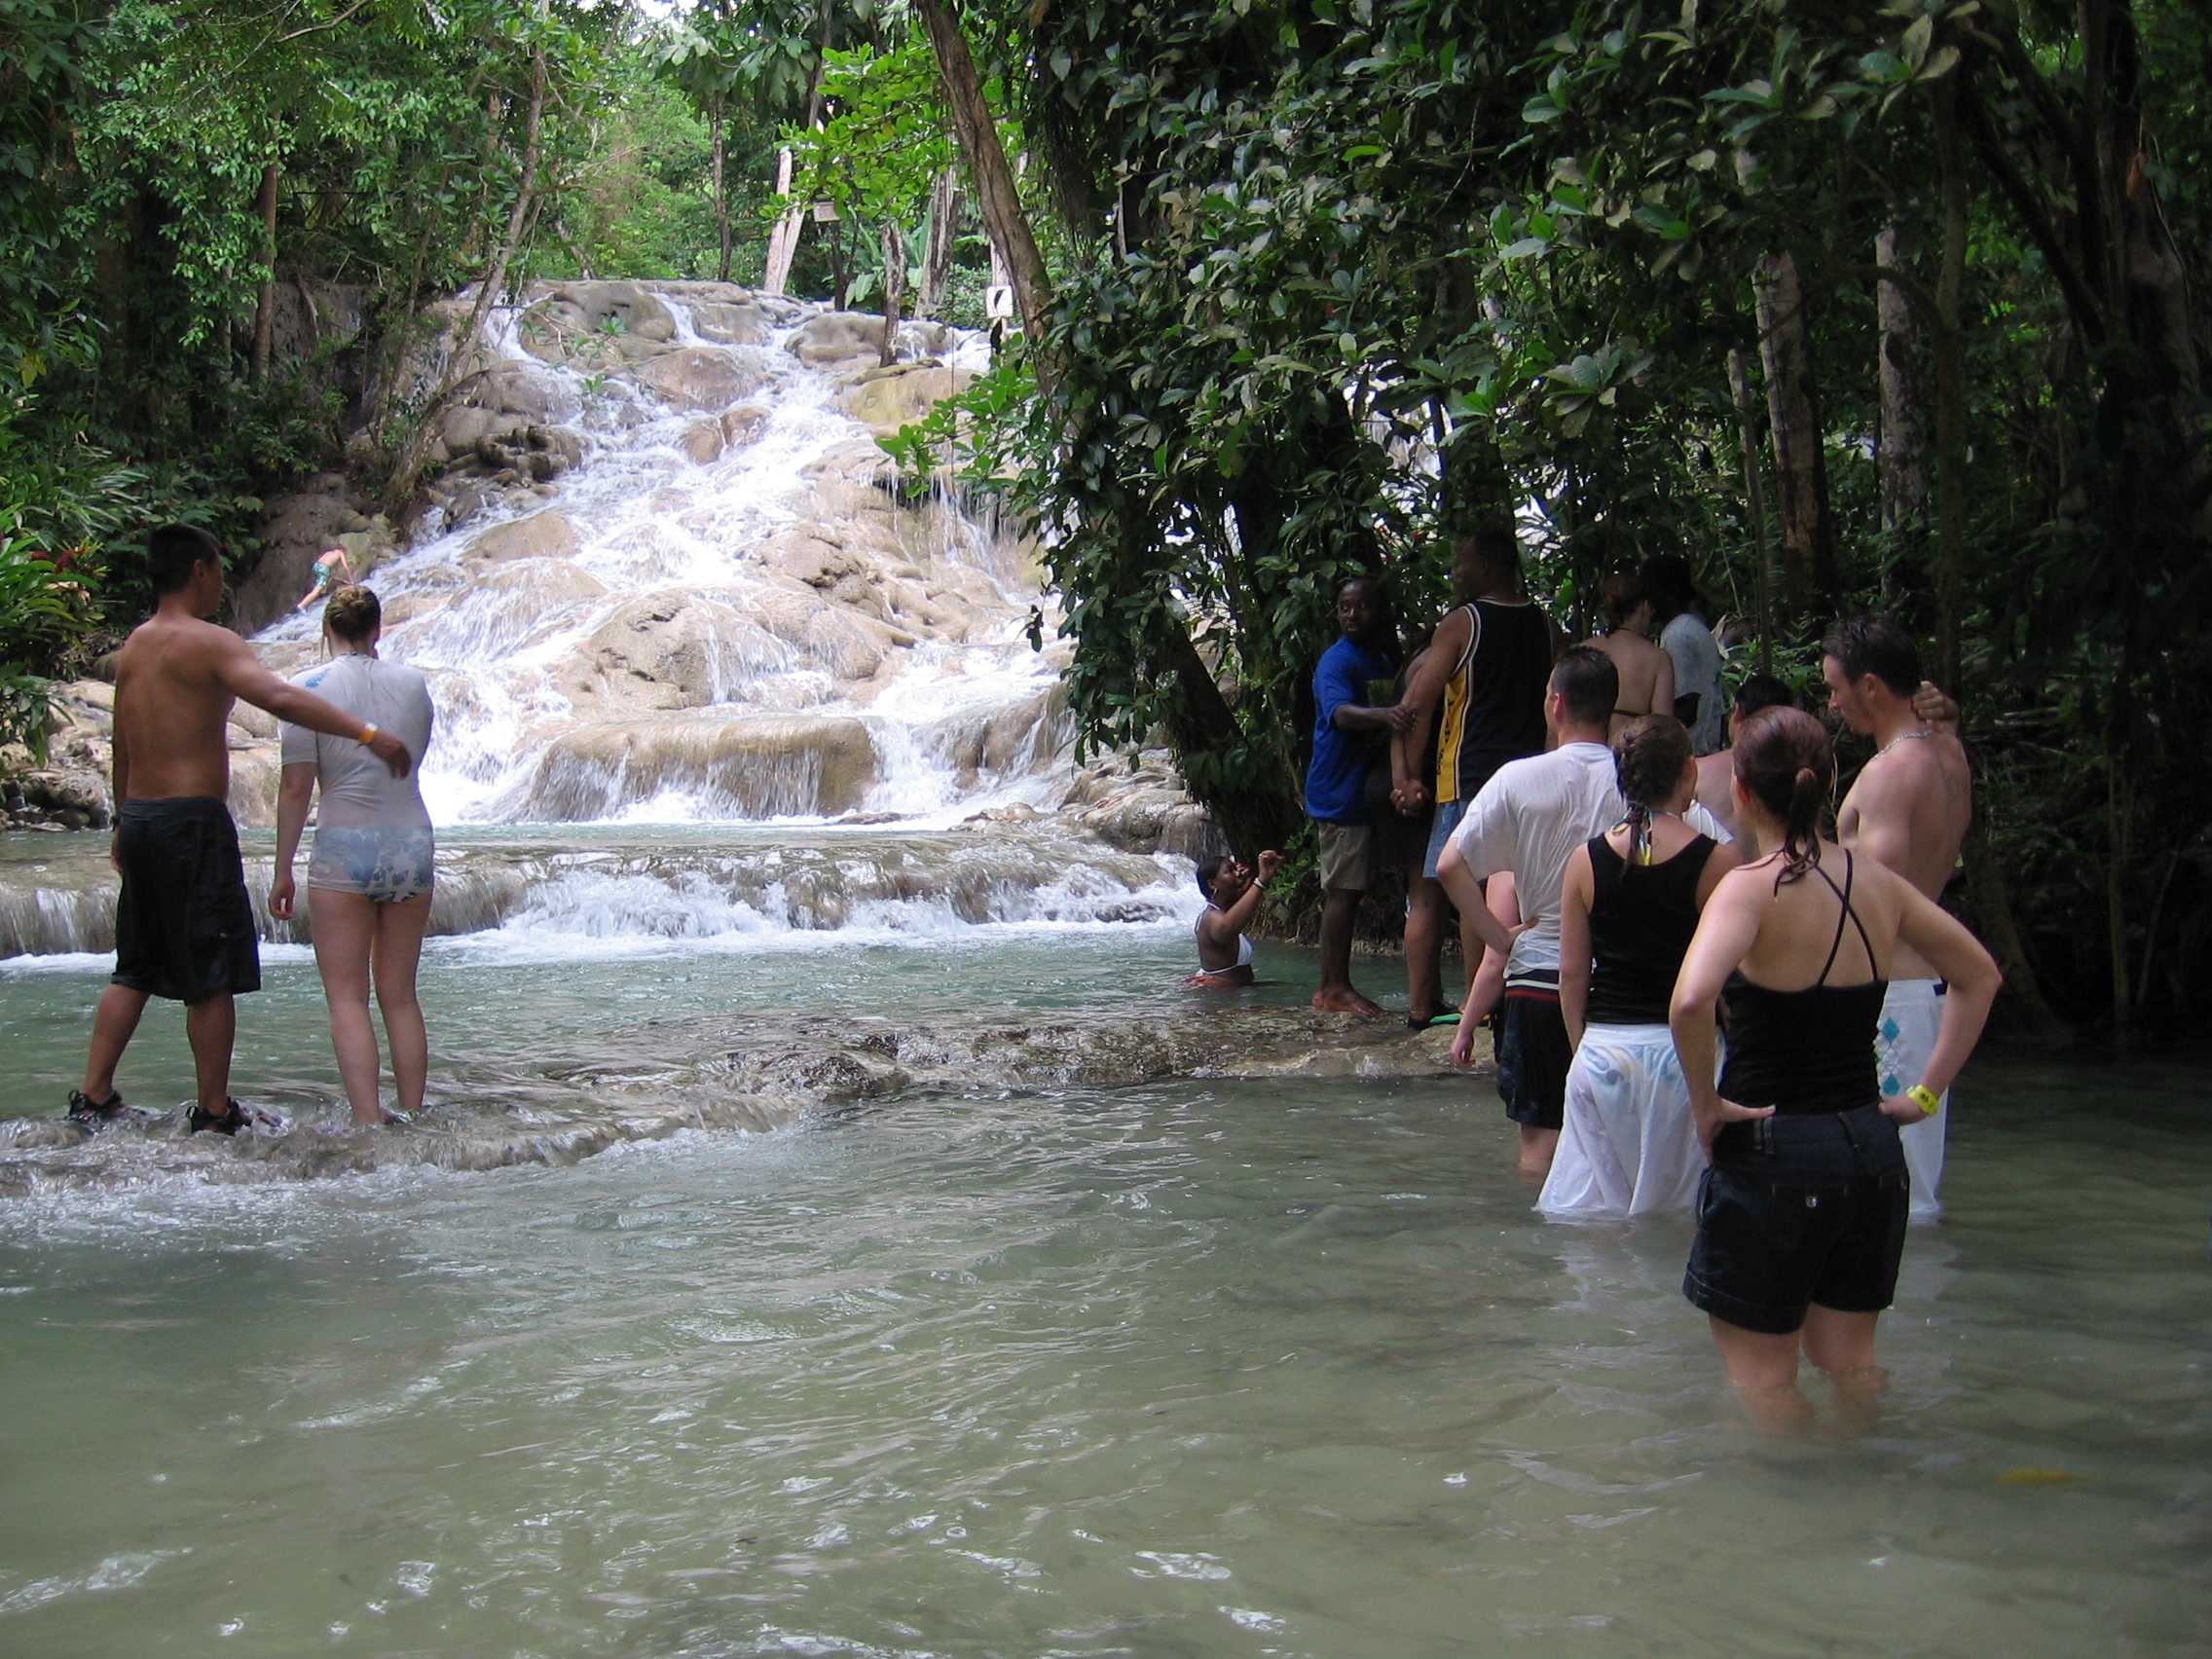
(725, 610)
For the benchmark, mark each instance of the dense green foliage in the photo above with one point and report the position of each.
(1328, 280)
(219, 220)
(1351, 271)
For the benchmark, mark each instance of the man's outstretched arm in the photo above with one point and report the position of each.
(243, 675)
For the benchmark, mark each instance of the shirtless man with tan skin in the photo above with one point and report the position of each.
(184, 927)
(1717, 772)
(1648, 673)
(1909, 809)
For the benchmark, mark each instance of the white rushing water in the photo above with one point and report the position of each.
(503, 643)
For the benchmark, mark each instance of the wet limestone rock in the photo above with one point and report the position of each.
(887, 398)
(765, 764)
(743, 426)
(837, 339)
(541, 535)
(596, 327)
(723, 324)
(703, 442)
(674, 648)
(1144, 809)
(699, 377)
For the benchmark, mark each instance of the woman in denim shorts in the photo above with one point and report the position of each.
(1801, 1216)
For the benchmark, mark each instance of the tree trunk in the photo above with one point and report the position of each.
(1903, 455)
(995, 195)
(937, 252)
(1950, 384)
(894, 285)
(1755, 502)
(1801, 480)
(783, 235)
(495, 275)
(265, 310)
(722, 195)
(783, 240)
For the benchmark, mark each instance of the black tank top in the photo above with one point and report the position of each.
(1641, 917)
(1806, 1052)
(1494, 700)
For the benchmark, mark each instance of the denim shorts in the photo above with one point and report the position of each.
(1440, 833)
(1799, 1211)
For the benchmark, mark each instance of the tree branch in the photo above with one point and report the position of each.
(2089, 312)
(317, 28)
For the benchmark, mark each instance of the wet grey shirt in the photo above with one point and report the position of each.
(358, 788)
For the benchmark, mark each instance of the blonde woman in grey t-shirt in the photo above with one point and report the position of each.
(373, 862)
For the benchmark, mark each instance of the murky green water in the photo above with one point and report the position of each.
(1274, 1365)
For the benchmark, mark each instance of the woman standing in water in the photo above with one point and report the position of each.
(1628, 907)
(1802, 1217)
(370, 876)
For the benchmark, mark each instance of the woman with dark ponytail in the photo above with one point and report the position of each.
(1628, 907)
(1802, 1217)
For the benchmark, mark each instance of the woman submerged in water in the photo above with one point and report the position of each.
(1233, 898)
(1802, 1217)
(369, 876)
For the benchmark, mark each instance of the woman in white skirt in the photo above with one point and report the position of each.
(1628, 907)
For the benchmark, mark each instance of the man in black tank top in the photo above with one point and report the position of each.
(1488, 667)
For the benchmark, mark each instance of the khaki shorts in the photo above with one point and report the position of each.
(1347, 856)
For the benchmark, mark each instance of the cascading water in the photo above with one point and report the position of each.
(726, 641)
(767, 632)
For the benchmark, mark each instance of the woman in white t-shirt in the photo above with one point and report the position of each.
(374, 859)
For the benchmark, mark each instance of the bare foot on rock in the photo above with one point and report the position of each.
(1346, 1001)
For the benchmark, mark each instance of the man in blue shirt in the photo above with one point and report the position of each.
(1346, 727)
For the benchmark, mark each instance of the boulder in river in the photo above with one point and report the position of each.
(760, 765)
(698, 377)
(541, 535)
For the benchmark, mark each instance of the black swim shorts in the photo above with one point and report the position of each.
(184, 926)
(1797, 1210)
(1532, 1057)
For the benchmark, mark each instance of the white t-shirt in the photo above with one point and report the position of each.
(1696, 655)
(1528, 822)
(358, 788)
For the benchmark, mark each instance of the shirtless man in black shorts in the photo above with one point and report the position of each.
(184, 927)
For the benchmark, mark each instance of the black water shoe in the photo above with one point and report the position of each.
(233, 1119)
(92, 1117)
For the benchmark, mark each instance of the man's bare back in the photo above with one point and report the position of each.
(1910, 808)
(176, 679)
(171, 709)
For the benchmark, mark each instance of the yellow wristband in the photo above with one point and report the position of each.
(368, 735)
(1924, 1097)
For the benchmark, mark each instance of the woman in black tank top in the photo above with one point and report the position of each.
(1628, 906)
(1802, 1217)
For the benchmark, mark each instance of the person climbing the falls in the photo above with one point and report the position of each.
(1346, 725)
(1232, 890)
(330, 566)
(184, 926)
